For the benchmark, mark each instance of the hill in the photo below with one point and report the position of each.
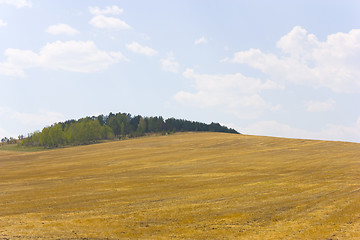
(185, 185)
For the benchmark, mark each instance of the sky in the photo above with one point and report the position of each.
(273, 68)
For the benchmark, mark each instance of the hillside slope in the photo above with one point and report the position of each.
(188, 185)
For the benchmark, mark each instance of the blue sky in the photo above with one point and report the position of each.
(275, 68)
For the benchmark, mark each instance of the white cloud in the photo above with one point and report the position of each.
(329, 132)
(224, 60)
(4, 133)
(26, 121)
(42, 118)
(72, 56)
(318, 106)
(9, 69)
(307, 61)
(18, 3)
(232, 93)
(274, 128)
(118, 56)
(100, 21)
(137, 48)
(169, 64)
(2, 23)
(62, 29)
(114, 10)
(200, 40)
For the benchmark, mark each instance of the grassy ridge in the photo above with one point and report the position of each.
(189, 185)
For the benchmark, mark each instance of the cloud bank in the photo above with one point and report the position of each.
(100, 21)
(2, 23)
(140, 49)
(169, 64)
(233, 93)
(328, 132)
(71, 56)
(114, 10)
(305, 60)
(201, 40)
(62, 29)
(17, 3)
(28, 121)
(104, 22)
(319, 106)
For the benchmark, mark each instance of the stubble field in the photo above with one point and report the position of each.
(183, 186)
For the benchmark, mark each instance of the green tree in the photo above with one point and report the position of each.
(141, 128)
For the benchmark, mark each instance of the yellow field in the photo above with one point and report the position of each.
(183, 186)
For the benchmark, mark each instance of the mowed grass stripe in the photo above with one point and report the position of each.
(185, 186)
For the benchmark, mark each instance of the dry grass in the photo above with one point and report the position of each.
(183, 186)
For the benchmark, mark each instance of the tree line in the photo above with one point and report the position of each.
(9, 140)
(120, 125)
